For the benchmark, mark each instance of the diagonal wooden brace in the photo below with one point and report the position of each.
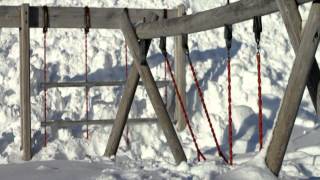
(294, 91)
(141, 68)
(292, 20)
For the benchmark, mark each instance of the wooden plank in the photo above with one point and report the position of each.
(73, 17)
(140, 63)
(66, 123)
(292, 20)
(108, 18)
(96, 84)
(231, 14)
(294, 91)
(180, 74)
(25, 83)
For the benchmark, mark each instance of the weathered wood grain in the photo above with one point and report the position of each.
(294, 91)
(73, 17)
(180, 74)
(66, 123)
(214, 18)
(139, 53)
(25, 83)
(96, 84)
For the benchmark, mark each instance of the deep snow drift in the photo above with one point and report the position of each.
(149, 155)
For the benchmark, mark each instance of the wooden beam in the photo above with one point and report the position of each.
(66, 123)
(234, 13)
(108, 18)
(180, 74)
(140, 63)
(294, 91)
(73, 17)
(96, 84)
(292, 20)
(25, 83)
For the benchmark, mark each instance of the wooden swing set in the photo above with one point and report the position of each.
(305, 70)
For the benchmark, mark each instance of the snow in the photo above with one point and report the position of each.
(70, 156)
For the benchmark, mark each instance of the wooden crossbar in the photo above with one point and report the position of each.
(73, 17)
(66, 123)
(214, 18)
(96, 84)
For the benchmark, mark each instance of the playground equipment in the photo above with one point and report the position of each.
(305, 71)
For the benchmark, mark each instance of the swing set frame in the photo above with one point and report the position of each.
(305, 71)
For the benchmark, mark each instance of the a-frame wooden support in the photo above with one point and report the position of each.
(141, 69)
(292, 20)
(302, 67)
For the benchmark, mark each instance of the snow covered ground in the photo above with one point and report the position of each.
(149, 156)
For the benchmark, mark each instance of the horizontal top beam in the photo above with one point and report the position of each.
(214, 18)
(73, 17)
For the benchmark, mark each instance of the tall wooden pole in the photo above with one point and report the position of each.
(294, 91)
(180, 74)
(25, 83)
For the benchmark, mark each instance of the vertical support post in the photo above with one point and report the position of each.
(25, 82)
(294, 91)
(180, 74)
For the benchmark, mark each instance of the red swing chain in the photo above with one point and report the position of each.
(200, 93)
(230, 136)
(184, 111)
(45, 30)
(260, 100)
(86, 31)
(228, 39)
(257, 29)
(200, 155)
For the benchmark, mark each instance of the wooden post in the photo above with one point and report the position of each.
(25, 83)
(294, 91)
(180, 74)
(140, 63)
(292, 20)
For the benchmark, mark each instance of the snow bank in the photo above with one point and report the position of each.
(149, 155)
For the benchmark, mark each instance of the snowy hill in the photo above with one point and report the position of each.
(149, 156)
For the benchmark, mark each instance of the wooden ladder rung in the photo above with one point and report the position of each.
(95, 84)
(65, 123)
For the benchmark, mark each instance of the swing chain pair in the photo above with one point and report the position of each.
(200, 93)
(162, 47)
